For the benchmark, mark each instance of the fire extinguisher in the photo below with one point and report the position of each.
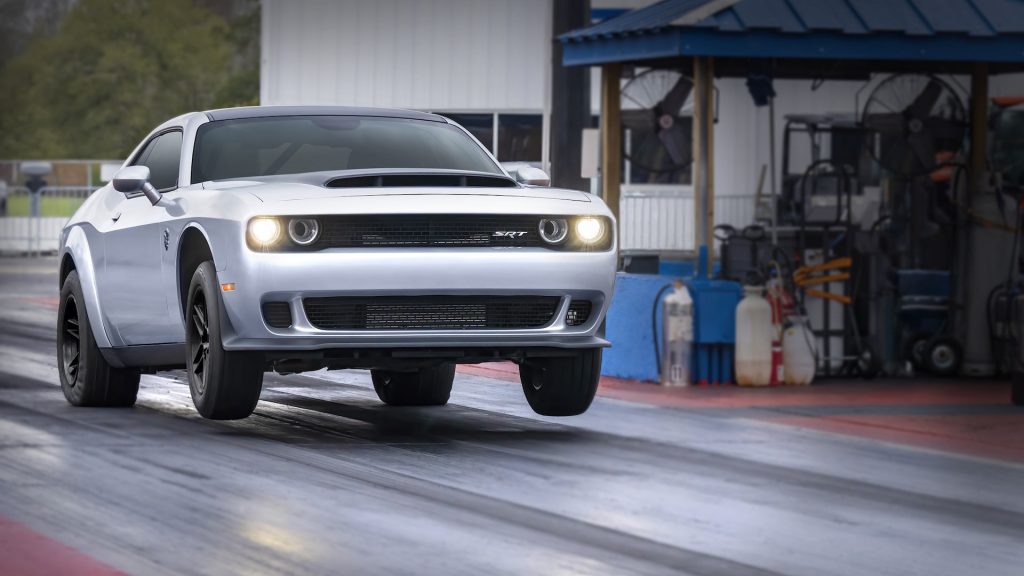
(782, 306)
(677, 324)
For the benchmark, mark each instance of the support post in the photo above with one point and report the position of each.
(704, 156)
(570, 100)
(611, 136)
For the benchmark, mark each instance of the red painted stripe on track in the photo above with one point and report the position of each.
(29, 553)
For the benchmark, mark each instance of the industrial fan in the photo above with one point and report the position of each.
(915, 122)
(658, 134)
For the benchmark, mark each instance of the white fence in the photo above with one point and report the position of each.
(31, 223)
(662, 218)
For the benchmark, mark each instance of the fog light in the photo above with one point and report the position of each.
(264, 231)
(553, 230)
(589, 230)
(303, 231)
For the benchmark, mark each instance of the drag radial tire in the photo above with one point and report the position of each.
(85, 376)
(561, 386)
(424, 387)
(224, 385)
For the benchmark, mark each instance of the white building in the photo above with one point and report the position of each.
(486, 64)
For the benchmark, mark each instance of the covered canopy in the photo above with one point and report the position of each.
(888, 33)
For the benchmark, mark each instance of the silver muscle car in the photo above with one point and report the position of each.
(242, 240)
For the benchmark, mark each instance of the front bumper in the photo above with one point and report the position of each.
(261, 277)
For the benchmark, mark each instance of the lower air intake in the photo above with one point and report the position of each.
(431, 312)
(579, 312)
(277, 314)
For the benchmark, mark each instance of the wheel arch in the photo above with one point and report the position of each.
(194, 248)
(77, 255)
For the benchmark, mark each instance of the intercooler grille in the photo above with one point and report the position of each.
(411, 231)
(430, 312)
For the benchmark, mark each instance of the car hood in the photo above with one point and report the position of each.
(353, 183)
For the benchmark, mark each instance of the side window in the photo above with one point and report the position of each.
(162, 155)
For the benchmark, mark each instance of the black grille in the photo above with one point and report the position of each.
(579, 312)
(277, 314)
(411, 231)
(430, 312)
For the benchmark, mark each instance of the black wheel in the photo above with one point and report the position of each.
(561, 386)
(224, 385)
(424, 387)
(915, 350)
(1017, 388)
(942, 356)
(85, 376)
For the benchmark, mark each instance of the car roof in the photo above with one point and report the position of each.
(272, 111)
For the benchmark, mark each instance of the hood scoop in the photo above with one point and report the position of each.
(421, 180)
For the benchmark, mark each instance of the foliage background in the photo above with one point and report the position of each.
(89, 78)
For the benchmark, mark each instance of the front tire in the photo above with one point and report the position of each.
(85, 376)
(224, 385)
(561, 386)
(425, 387)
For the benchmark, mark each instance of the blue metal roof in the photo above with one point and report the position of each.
(954, 30)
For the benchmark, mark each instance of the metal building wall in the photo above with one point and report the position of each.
(450, 55)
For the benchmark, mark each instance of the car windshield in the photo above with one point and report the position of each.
(252, 147)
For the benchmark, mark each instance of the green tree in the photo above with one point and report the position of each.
(113, 71)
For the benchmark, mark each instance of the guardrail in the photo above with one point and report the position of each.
(30, 223)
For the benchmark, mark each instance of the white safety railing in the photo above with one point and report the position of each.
(662, 218)
(30, 223)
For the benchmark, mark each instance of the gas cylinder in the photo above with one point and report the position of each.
(753, 339)
(677, 325)
(798, 353)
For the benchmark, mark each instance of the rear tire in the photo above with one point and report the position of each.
(85, 376)
(224, 385)
(561, 386)
(425, 387)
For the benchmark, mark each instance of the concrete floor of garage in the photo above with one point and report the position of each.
(972, 417)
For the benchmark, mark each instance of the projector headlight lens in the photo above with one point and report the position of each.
(264, 231)
(589, 230)
(554, 230)
(303, 231)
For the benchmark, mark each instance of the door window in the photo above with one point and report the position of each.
(162, 155)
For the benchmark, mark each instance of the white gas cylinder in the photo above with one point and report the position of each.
(753, 339)
(677, 325)
(798, 356)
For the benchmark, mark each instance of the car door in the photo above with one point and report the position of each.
(136, 236)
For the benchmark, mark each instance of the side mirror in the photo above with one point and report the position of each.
(135, 179)
(531, 176)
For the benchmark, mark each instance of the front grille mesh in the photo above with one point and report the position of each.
(430, 312)
(579, 312)
(411, 231)
(277, 314)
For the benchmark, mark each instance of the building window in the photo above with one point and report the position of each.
(481, 126)
(519, 137)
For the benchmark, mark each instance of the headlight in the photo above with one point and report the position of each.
(589, 230)
(264, 232)
(303, 231)
(553, 230)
